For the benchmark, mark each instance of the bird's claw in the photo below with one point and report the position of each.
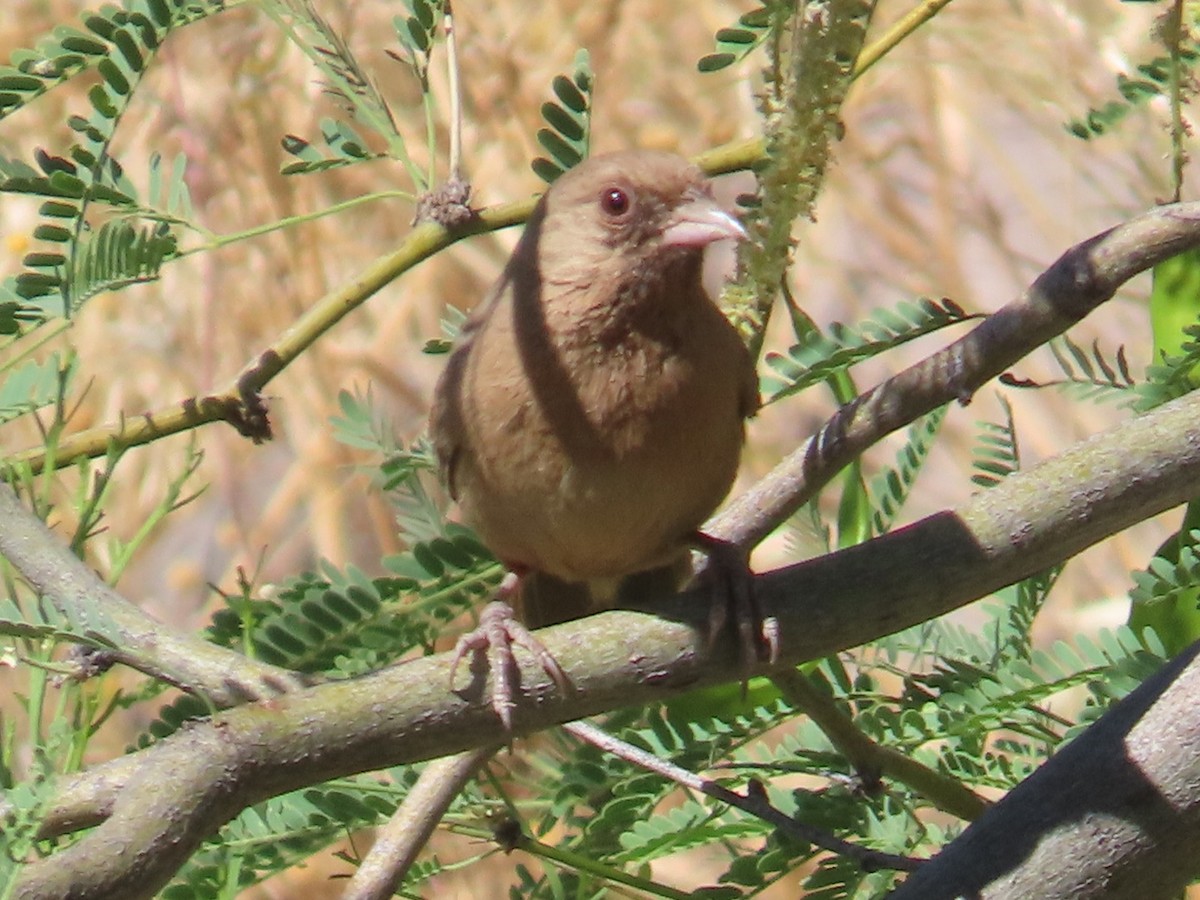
(757, 635)
(498, 632)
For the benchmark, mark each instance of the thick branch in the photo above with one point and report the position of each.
(190, 784)
(1080, 280)
(1120, 804)
(94, 610)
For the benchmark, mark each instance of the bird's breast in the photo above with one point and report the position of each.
(598, 461)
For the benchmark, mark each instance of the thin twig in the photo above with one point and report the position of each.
(398, 843)
(754, 801)
(456, 173)
(871, 760)
(906, 25)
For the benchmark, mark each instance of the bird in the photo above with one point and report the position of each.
(591, 415)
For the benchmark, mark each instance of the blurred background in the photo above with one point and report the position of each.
(956, 178)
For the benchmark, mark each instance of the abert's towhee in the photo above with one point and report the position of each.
(591, 416)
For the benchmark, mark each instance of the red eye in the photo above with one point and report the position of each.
(614, 201)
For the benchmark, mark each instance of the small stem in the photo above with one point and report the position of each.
(217, 241)
(917, 17)
(870, 759)
(581, 863)
(44, 335)
(754, 801)
(1173, 35)
(455, 96)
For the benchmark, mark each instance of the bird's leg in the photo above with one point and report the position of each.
(497, 633)
(728, 567)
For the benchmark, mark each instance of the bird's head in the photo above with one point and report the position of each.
(629, 218)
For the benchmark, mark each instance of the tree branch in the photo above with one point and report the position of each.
(239, 402)
(188, 785)
(95, 611)
(1121, 803)
(398, 843)
(1079, 281)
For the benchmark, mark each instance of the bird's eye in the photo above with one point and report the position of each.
(614, 201)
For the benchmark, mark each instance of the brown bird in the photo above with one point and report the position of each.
(591, 417)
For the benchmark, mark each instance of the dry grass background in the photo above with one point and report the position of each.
(955, 178)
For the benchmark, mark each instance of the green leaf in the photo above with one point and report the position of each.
(346, 80)
(78, 42)
(54, 233)
(996, 454)
(714, 62)
(12, 80)
(346, 145)
(114, 77)
(890, 488)
(32, 384)
(818, 357)
(417, 32)
(567, 139)
(1134, 92)
(1174, 376)
(1174, 302)
(737, 42)
(130, 53)
(564, 153)
(1166, 594)
(563, 122)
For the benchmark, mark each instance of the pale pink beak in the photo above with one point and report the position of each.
(699, 222)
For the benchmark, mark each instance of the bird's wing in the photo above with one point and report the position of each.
(446, 427)
(447, 451)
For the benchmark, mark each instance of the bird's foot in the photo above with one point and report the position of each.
(733, 582)
(498, 632)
